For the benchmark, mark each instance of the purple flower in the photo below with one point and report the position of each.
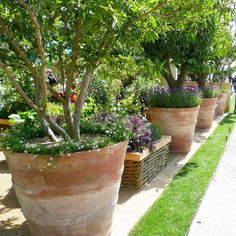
(105, 117)
(142, 134)
(188, 96)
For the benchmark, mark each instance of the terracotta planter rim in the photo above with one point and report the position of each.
(69, 155)
(210, 98)
(179, 109)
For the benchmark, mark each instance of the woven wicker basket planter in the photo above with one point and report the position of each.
(141, 168)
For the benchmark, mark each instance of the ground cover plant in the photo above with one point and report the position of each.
(173, 212)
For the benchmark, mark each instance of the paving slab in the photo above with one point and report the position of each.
(216, 215)
(132, 205)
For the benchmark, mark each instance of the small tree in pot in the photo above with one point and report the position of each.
(79, 193)
(175, 111)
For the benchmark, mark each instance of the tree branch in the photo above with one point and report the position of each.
(39, 41)
(80, 101)
(52, 124)
(56, 128)
(72, 67)
(38, 6)
(67, 112)
(11, 77)
(17, 48)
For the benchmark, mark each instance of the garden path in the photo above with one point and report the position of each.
(216, 215)
(131, 205)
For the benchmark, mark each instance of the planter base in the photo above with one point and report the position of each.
(221, 103)
(179, 123)
(206, 113)
(141, 168)
(77, 195)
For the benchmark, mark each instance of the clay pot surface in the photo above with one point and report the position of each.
(221, 103)
(179, 123)
(206, 113)
(72, 195)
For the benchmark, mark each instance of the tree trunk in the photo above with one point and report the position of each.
(80, 101)
(201, 79)
(47, 130)
(167, 74)
(182, 77)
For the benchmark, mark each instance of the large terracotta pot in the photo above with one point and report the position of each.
(206, 113)
(76, 195)
(179, 123)
(221, 103)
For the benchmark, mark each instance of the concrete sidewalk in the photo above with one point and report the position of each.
(217, 213)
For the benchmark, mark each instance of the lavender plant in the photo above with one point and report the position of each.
(184, 97)
(210, 92)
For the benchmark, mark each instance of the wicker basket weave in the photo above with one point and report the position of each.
(141, 171)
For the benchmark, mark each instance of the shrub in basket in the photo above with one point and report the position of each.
(175, 111)
(147, 152)
(208, 106)
(144, 135)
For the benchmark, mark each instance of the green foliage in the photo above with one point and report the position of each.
(29, 137)
(174, 98)
(12, 103)
(156, 132)
(102, 92)
(193, 49)
(16, 138)
(26, 118)
(211, 92)
(90, 107)
(130, 104)
(134, 95)
(115, 129)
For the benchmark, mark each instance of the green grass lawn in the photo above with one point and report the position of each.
(172, 213)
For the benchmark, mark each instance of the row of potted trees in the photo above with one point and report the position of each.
(179, 111)
(67, 174)
(50, 177)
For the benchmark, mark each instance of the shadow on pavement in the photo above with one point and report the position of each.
(8, 228)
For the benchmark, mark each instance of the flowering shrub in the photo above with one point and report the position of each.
(174, 98)
(144, 135)
(210, 92)
(97, 132)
